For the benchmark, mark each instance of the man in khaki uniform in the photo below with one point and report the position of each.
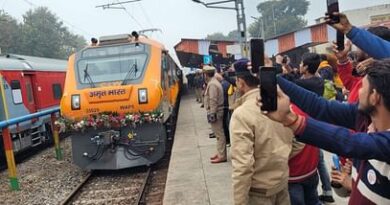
(260, 148)
(213, 102)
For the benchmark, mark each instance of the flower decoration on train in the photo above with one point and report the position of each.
(109, 120)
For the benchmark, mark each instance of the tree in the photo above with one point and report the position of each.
(71, 42)
(9, 33)
(279, 17)
(233, 35)
(42, 34)
(218, 36)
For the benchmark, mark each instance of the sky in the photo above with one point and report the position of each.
(176, 18)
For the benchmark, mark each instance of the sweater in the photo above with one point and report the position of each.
(352, 83)
(373, 45)
(304, 164)
(371, 151)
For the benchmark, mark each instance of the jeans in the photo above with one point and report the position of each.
(324, 175)
(305, 192)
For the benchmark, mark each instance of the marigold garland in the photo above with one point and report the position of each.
(108, 120)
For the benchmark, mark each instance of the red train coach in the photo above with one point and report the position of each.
(29, 84)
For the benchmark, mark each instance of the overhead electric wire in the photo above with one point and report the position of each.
(62, 19)
(30, 3)
(2, 5)
(146, 15)
(129, 14)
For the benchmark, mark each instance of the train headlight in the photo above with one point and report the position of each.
(142, 96)
(75, 102)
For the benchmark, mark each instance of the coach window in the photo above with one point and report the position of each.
(16, 92)
(164, 68)
(171, 72)
(57, 91)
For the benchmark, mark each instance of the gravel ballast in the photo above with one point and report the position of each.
(43, 179)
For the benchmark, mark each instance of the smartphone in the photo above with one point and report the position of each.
(336, 162)
(333, 6)
(257, 54)
(340, 41)
(268, 90)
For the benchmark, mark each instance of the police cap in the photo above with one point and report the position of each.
(208, 69)
(241, 67)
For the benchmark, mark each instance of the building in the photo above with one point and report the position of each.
(369, 15)
(194, 53)
(316, 37)
(366, 16)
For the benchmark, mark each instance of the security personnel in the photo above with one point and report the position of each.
(260, 148)
(213, 101)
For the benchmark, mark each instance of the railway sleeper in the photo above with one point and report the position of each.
(110, 200)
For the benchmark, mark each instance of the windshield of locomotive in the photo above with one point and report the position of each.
(124, 63)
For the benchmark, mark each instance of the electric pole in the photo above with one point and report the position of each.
(241, 23)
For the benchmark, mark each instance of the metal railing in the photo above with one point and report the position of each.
(14, 182)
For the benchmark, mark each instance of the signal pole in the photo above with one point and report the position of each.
(241, 23)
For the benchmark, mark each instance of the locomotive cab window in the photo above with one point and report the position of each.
(117, 63)
(57, 91)
(16, 92)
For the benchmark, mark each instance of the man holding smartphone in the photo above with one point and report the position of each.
(260, 147)
(370, 150)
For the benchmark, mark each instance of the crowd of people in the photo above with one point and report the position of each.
(338, 102)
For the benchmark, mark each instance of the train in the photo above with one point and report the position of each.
(29, 84)
(120, 102)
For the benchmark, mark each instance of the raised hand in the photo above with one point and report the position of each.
(342, 56)
(344, 26)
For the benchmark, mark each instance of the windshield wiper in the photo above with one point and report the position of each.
(88, 77)
(132, 70)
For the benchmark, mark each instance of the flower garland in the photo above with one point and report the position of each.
(108, 120)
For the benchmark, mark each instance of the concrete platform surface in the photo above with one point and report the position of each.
(192, 179)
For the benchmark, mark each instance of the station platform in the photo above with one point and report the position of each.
(192, 179)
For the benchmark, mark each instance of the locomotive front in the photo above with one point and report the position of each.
(113, 102)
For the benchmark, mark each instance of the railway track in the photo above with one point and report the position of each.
(137, 186)
(119, 187)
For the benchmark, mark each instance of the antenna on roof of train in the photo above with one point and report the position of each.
(136, 35)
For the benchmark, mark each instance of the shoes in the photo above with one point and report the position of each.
(202, 106)
(326, 198)
(211, 135)
(214, 157)
(218, 160)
